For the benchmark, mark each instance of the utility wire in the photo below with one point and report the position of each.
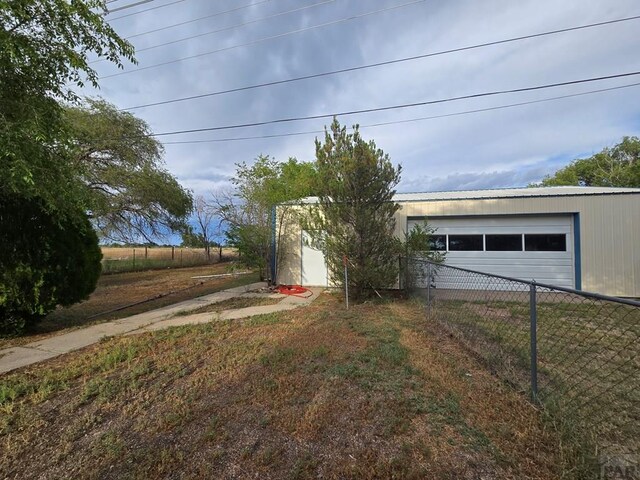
(264, 39)
(131, 5)
(396, 107)
(143, 11)
(410, 120)
(217, 14)
(380, 64)
(231, 27)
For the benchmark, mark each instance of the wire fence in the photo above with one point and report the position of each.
(129, 259)
(575, 353)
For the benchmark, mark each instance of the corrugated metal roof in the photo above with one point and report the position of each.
(503, 193)
(511, 193)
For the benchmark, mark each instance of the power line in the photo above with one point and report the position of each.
(215, 31)
(217, 14)
(380, 64)
(131, 5)
(396, 107)
(410, 120)
(264, 39)
(257, 20)
(145, 10)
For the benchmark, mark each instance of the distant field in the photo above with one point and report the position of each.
(127, 259)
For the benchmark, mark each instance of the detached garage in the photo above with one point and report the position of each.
(578, 237)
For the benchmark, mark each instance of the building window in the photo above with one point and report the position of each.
(552, 242)
(438, 243)
(503, 243)
(466, 243)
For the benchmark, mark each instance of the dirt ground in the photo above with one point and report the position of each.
(121, 289)
(320, 392)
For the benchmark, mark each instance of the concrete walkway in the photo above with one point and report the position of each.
(16, 357)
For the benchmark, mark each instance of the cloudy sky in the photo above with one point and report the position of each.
(261, 41)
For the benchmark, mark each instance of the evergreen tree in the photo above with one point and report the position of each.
(355, 219)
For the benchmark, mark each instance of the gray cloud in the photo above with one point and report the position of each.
(501, 148)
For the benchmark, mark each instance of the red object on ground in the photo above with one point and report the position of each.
(295, 290)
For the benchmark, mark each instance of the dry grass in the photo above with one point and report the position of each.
(588, 361)
(126, 259)
(122, 289)
(374, 392)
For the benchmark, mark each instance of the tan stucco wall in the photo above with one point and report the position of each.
(609, 234)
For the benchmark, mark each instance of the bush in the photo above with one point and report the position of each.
(46, 259)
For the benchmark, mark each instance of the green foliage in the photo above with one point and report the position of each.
(128, 191)
(49, 253)
(45, 260)
(618, 166)
(249, 213)
(44, 52)
(355, 187)
(416, 245)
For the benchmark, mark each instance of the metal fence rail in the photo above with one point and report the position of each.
(576, 353)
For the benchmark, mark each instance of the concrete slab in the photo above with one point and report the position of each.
(79, 338)
(178, 322)
(17, 357)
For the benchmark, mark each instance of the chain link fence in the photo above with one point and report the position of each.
(575, 353)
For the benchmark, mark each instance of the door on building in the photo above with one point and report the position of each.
(527, 247)
(314, 266)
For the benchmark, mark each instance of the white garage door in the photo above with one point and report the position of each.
(314, 267)
(526, 247)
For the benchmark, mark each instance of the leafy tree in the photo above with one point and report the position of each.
(44, 52)
(249, 212)
(45, 260)
(618, 166)
(45, 47)
(128, 193)
(355, 218)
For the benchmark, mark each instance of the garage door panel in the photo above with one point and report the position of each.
(501, 221)
(520, 259)
(505, 230)
(552, 267)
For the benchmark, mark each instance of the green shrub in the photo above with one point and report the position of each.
(47, 258)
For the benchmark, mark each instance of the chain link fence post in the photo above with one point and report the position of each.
(533, 317)
(428, 288)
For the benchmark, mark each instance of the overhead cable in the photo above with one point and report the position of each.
(264, 39)
(380, 64)
(145, 10)
(409, 120)
(396, 107)
(217, 14)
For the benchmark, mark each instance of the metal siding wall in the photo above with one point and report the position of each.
(610, 234)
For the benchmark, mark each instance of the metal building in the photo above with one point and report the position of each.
(579, 237)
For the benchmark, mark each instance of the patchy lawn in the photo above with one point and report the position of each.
(118, 290)
(319, 392)
(588, 359)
